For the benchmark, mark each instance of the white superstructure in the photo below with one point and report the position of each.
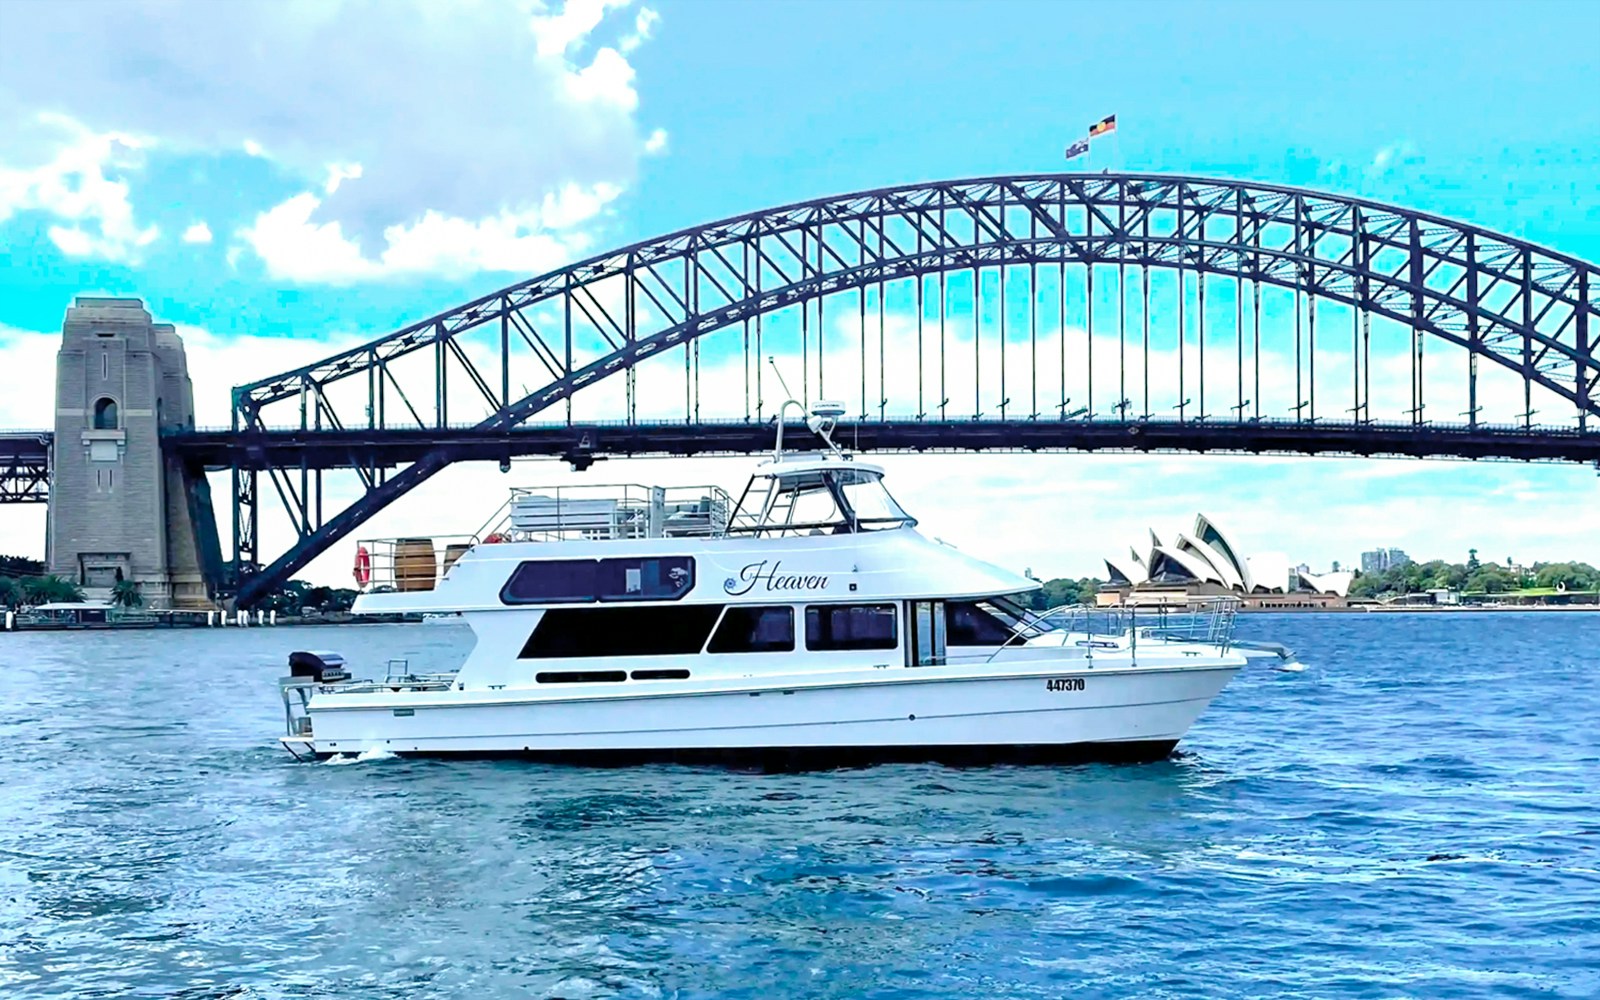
(809, 623)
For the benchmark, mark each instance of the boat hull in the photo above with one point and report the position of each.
(812, 758)
(1130, 715)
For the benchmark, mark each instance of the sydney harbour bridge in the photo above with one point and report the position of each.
(1048, 312)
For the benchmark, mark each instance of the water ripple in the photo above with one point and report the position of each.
(1413, 815)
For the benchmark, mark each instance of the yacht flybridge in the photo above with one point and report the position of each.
(806, 624)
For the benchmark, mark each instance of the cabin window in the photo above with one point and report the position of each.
(967, 624)
(551, 581)
(851, 626)
(578, 632)
(581, 581)
(754, 630)
(659, 579)
(105, 414)
(660, 675)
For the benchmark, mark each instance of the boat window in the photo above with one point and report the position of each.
(754, 630)
(870, 503)
(580, 581)
(646, 631)
(851, 626)
(660, 675)
(551, 581)
(640, 579)
(968, 624)
(579, 676)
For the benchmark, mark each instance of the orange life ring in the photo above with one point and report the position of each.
(363, 570)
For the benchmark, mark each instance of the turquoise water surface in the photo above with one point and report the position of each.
(1415, 815)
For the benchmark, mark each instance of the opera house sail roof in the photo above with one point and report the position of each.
(1207, 555)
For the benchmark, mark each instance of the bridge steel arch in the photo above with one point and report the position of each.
(1522, 309)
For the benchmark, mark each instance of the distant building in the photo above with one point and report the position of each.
(1381, 560)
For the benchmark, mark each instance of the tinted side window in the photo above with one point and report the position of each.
(967, 624)
(851, 626)
(754, 630)
(664, 578)
(577, 632)
(551, 581)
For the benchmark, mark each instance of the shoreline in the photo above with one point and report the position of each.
(1429, 609)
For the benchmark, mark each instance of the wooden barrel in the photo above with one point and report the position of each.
(415, 565)
(454, 551)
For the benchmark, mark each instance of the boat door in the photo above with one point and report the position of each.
(927, 645)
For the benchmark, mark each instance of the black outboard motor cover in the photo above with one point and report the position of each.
(324, 666)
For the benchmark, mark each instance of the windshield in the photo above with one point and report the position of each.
(836, 500)
(871, 503)
(1025, 621)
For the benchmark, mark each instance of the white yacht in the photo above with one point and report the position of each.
(807, 624)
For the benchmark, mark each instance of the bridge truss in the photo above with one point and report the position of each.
(1059, 310)
(25, 467)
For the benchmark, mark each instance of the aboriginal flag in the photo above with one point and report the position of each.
(1104, 125)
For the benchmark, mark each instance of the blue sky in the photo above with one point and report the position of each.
(458, 148)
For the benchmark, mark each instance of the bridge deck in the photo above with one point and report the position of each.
(329, 449)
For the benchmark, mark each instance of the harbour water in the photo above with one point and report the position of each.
(1416, 814)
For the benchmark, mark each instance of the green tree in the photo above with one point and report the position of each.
(1490, 579)
(1063, 590)
(10, 593)
(1571, 576)
(126, 594)
(49, 590)
(17, 567)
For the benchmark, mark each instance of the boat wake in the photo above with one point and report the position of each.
(361, 758)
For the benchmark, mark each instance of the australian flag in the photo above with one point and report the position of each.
(1077, 148)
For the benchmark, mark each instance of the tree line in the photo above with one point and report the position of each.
(1475, 577)
(25, 584)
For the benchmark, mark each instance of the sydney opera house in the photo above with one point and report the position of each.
(1205, 561)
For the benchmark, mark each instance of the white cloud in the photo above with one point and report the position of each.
(643, 27)
(657, 143)
(1395, 156)
(296, 248)
(564, 30)
(197, 233)
(533, 240)
(338, 173)
(462, 116)
(80, 182)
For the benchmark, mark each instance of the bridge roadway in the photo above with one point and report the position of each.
(582, 443)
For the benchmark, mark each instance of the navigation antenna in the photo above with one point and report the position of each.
(821, 421)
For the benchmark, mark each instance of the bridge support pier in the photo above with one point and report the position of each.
(120, 509)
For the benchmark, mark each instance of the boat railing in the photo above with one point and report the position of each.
(609, 511)
(385, 565)
(1204, 620)
(1207, 621)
